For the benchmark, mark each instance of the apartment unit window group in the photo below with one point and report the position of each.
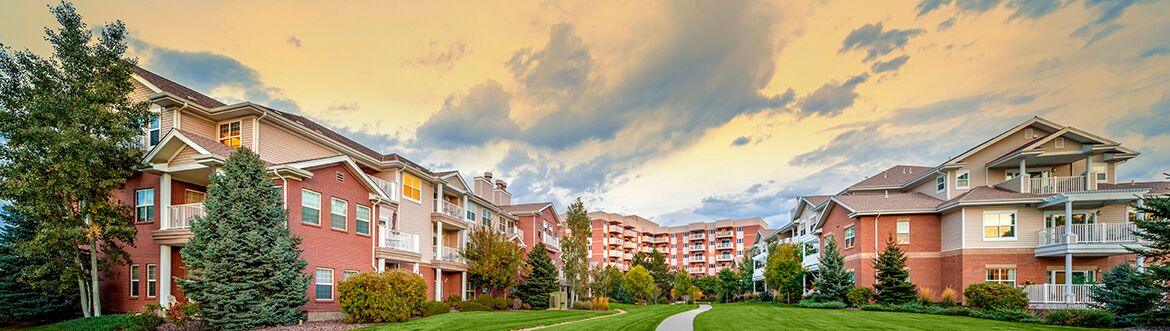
(963, 179)
(144, 205)
(134, 280)
(999, 225)
(151, 280)
(940, 183)
(362, 225)
(1002, 276)
(152, 131)
(229, 134)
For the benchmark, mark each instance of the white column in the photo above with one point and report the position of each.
(164, 203)
(438, 240)
(1025, 180)
(438, 284)
(416, 268)
(1141, 260)
(164, 275)
(466, 208)
(439, 198)
(463, 287)
(1090, 177)
(1068, 258)
(381, 265)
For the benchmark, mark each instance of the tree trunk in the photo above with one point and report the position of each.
(93, 264)
(84, 293)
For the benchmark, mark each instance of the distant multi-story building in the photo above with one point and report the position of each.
(356, 209)
(701, 248)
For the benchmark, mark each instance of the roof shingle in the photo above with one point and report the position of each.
(891, 202)
(894, 176)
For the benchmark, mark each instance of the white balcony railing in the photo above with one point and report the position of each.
(181, 215)
(388, 187)
(449, 254)
(697, 235)
(698, 247)
(614, 241)
(724, 257)
(1057, 184)
(660, 240)
(630, 244)
(697, 258)
(615, 229)
(811, 260)
(1100, 233)
(1054, 293)
(551, 241)
(696, 270)
(726, 245)
(722, 234)
(631, 233)
(614, 254)
(399, 240)
(627, 256)
(451, 209)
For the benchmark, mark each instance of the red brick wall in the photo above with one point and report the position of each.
(922, 253)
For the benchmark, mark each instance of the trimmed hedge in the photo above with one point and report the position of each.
(859, 296)
(822, 305)
(1089, 318)
(379, 297)
(472, 306)
(431, 308)
(583, 305)
(99, 323)
(493, 302)
(995, 296)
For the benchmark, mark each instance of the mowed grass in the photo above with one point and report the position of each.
(764, 316)
(485, 320)
(636, 318)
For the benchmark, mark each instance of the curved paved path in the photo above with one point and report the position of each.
(684, 321)
(619, 312)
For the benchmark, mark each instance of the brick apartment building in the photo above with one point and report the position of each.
(701, 248)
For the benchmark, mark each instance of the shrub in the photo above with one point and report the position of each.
(995, 296)
(583, 305)
(601, 303)
(472, 306)
(822, 305)
(1010, 315)
(100, 323)
(180, 312)
(949, 298)
(526, 306)
(431, 308)
(925, 296)
(766, 296)
(453, 299)
(493, 302)
(144, 321)
(919, 308)
(391, 296)
(1090, 318)
(860, 296)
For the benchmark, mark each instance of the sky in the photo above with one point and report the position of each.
(677, 111)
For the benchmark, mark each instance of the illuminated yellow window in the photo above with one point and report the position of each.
(229, 134)
(411, 187)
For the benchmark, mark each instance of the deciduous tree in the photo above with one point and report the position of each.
(784, 271)
(574, 255)
(639, 283)
(493, 261)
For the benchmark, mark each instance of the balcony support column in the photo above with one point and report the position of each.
(463, 286)
(1089, 172)
(1025, 180)
(439, 198)
(381, 265)
(1141, 260)
(439, 284)
(438, 241)
(164, 275)
(164, 203)
(1068, 258)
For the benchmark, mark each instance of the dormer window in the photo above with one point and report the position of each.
(1029, 133)
(229, 134)
(1058, 142)
(152, 131)
(963, 179)
(941, 183)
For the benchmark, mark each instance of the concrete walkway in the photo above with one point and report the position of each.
(684, 321)
(619, 312)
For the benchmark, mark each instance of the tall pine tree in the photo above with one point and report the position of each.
(893, 280)
(834, 281)
(18, 299)
(244, 267)
(542, 281)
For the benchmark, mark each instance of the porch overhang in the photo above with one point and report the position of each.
(1093, 198)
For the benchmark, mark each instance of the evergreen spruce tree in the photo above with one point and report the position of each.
(893, 285)
(543, 279)
(243, 266)
(18, 299)
(834, 282)
(1134, 296)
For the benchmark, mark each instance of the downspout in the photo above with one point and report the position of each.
(875, 235)
(284, 193)
(375, 215)
(177, 122)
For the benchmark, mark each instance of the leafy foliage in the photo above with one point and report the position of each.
(707, 285)
(378, 297)
(992, 296)
(860, 296)
(18, 299)
(431, 308)
(655, 262)
(574, 255)
(1089, 318)
(1132, 295)
(683, 285)
(69, 136)
(893, 285)
(472, 306)
(729, 285)
(543, 280)
(1154, 230)
(245, 226)
(638, 283)
(834, 282)
(607, 281)
(784, 270)
(493, 261)
(822, 305)
(495, 303)
(948, 298)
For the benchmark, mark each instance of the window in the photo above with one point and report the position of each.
(134, 280)
(849, 240)
(348, 273)
(1078, 277)
(323, 285)
(963, 179)
(739, 252)
(1058, 142)
(411, 187)
(1029, 133)
(144, 205)
(1102, 173)
(337, 213)
(471, 214)
(1055, 218)
(363, 220)
(310, 207)
(999, 225)
(151, 280)
(903, 232)
(487, 217)
(152, 131)
(739, 228)
(1002, 276)
(190, 196)
(229, 134)
(739, 241)
(940, 183)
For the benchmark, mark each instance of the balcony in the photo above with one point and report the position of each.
(726, 245)
(812, 262)
(1100, 239)
(697, 248)
(614, 241)
(450, 213)
(398, 246)
(697, 258)
(631, 234)
(1040, 295)
(627, 256)
(697, 235)
(724, 233)
(615, 229)
(660, 240)
(448, 258)
(1057, 184)
(552, 242)
(696, 270)
(614, 254)
(758, 274)
(388, 187)
(725, 258)
(181, 215)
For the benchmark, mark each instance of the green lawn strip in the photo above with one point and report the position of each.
(636, 318)
(484, 320)
(763, 316)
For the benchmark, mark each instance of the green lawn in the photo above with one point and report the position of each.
(763, 316)
(483, 320)
(636, 318)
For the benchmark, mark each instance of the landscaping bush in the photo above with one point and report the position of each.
(601, 303)
(766, 296)
(860, 296)
(995, 296)
(949, 298)
(1090, 318)
(1010, 315)
(472, 306)
(431, 308)
(100, 323)
(583, 305)
(144, 321)
(925, 296)
(822, 305)
(180, 312)
(453, 299)
(493, 302)
(379, 297)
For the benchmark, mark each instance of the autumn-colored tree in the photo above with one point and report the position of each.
(493, 261)
(784, 271)
(639, 283)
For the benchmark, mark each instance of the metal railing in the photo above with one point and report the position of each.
(451, 209)
(1054, 293)
(726, 245)
(449, 254)
(615, 228)
(551, 241)
(696, 270)
(388, 187)
(1099, 233)
(399, 240)
(631, 233)
(698, 247)
(697, 235)
(627, 256)
(629, 244)
(614, 241)
(614, 254)
(181, 215)
(721, 234)
(1057, 184)
(724, 257)
(697, 258)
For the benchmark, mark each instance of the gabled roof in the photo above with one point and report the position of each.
(527, 207)
(816, 200)
(1036, 120)
(893, 178)
(168, 86)
(1154, 187)
(173, 142)
(900, 203)
(347, 162)
(983, 195)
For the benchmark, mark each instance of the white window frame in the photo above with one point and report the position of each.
(151, 280)
(1015, 225)
(1010, 273)
(357, 215)
(317, 283)
(135, 280)
(317, 207)
(239, 135)
(940, 184)
(898, 231)
(1103, 175)
(153, 129)
(961, 183)
(139, 205)
(348, 273)
(1029, 133)
(333, 203)
(850, 237)
(1058, 142)
(406, 178)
